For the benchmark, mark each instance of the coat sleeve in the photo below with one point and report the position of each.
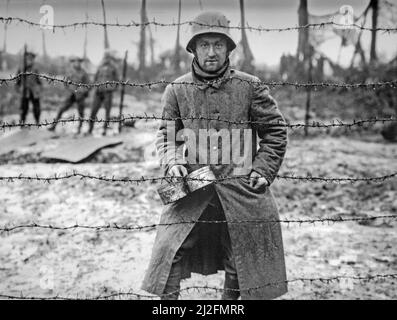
(115, 74)
(18, 83)
(272, 138)
(86, 80)
(168, 148)
(38, 80)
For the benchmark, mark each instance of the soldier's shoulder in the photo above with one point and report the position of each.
(187, 77)
(180, 82)
(243, 75)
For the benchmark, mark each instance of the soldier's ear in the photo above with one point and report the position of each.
(194, 48)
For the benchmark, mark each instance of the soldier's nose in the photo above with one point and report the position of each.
(211, 51)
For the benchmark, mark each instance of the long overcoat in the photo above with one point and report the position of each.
(237, 101)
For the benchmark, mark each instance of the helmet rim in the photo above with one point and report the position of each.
(210, 22)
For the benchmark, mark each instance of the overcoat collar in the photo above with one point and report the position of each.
(217, 83)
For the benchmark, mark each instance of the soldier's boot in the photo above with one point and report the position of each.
(24, 110)
(36, 110)
(105, 126)
(90, 128)
(231, 287)
(79, 128)
(80, 108)
(58, 116)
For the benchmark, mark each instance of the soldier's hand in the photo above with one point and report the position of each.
(177, 171)
(256, 180)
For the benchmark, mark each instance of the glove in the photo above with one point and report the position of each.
(177, 170)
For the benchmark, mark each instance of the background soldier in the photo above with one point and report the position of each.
(78, 75)
(252, 255)
(29, 87)
(107, 71)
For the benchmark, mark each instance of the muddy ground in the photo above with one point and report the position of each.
(87, 263)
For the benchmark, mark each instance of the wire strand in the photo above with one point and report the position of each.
(115, 226)
(9, 20)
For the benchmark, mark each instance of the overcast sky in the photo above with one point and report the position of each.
(266, 46)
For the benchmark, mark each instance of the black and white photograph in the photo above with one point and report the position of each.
(198, 150)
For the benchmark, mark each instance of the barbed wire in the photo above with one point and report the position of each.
(291, 176)
(9, 20)
(336, 123)
(149, 85)
(315, 85)
(120, 294)
(115, 226)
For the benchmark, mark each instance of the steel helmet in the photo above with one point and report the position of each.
(111, 54)
(210, 22)
(75, 58)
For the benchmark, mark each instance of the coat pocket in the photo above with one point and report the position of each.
(245, 182)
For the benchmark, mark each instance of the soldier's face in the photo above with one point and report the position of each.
(211, 52)
(76, 64)
(107, 59)
(29, 61)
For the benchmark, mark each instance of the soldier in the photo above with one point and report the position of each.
(107, 71)
(78, 75)
(29, 86)
(251, 254)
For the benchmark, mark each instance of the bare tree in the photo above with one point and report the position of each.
(151, 44)
(248, 57)
(45, 55)
(142, 43)
(303, 35)
(85, 39)
(358, 48)
(304, 55)
(5, 30)
(104, 25)
(177, 57)
(374, 4)
(3, 53)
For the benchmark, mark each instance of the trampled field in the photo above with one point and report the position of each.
(88, 263)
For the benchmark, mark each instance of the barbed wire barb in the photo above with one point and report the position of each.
(114, 226)
(290, 176)
(322, 25)
(131, 292)
(125, 118)
(52, 79)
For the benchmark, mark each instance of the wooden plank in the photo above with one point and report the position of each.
(77, 150)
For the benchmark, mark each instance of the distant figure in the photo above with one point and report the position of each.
(107, 71)
(30, 87)
(78, 75)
